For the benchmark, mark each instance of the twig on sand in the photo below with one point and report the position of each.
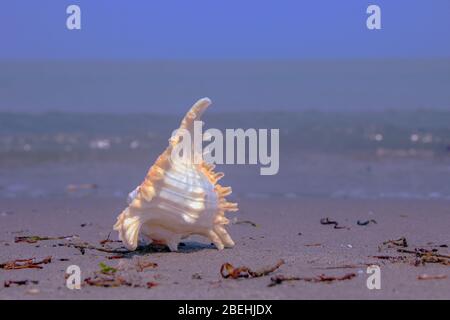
(347, 266)
(31, 263)
(321, 278)
(34, 239)
(391, 258)
(86, 246)
(108, 240)
(313, 245)
(227, 270)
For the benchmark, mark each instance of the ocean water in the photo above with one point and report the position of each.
(388, 154)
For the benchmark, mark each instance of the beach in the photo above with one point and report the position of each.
(341, 202)
(285, 229)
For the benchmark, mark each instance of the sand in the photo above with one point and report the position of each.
(287, 229)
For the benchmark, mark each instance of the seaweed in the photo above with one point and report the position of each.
(227, 270)
(34, 239)
(9, 283)
(320, 278)
(105, 269)
(400, 242)
(107, 281)
(326, 221)
(31, 263)
(246, 222)
(141, 265)
(423, 256)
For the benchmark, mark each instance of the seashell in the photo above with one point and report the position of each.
(178, 198)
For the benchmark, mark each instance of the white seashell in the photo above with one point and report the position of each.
(177, 199)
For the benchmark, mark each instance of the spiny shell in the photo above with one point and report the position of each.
(177, 199)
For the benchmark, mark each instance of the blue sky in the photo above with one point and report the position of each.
(223, 29)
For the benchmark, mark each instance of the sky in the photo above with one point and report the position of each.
(223, 29)
(161, 55)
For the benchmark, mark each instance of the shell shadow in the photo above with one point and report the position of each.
(183, 247)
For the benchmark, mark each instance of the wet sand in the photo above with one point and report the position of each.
(287, 229)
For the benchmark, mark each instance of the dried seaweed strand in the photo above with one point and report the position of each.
(31, 263)
(423, 252)
(34, 239)
(107, 281)
(227, 270)
(320, 278)
(365, 223)
(83, 247)
(326, 221)
(246, 222)
(348, 266)
(400, 242)
(9, 283)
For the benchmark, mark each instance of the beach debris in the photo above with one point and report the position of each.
(418, 256)
(119, 256)
(108, 240)
(400, 242)
(86, 224)
(82, 247)
(143, 264)
(365, 223)
(10, 283)
(431, 277)
(227, 270)
(236, 221)
(84, 186)
(432, 244)
(347, 266)
(31, 263)
(151, 284)
(105, 269)
(391, 258)
(326, 221)
(197, 276)
(203, 199)
(423, 256)
(313, 245)
(320, 278)
(109, 276)
(34, 239)
(106, 281)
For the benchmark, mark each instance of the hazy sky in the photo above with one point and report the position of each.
(217, 29)
(161, 55)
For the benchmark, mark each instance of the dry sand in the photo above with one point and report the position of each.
(286, 229)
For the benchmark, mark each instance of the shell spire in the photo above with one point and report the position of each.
(178, 198)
